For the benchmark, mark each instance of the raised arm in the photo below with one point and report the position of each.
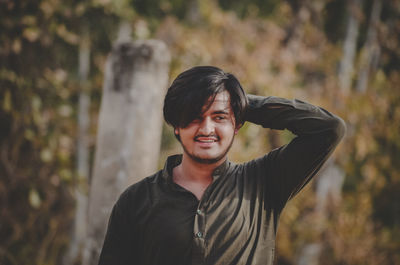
(288, 168)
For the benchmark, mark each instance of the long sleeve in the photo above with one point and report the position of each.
(117, 248)
(288, 168)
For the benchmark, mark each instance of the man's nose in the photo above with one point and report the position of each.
(206, 127)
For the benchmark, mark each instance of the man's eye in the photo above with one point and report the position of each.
(220, 118)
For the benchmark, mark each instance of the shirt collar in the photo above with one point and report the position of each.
(174, 160)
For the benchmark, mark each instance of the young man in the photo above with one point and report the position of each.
(203, 209)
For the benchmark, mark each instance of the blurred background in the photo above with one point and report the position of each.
(342, 55)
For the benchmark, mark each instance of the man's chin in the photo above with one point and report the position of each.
(206, 160)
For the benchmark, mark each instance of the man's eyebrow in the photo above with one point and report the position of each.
(220, 112)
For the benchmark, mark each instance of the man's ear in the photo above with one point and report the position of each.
(238, 127)
(176, 133)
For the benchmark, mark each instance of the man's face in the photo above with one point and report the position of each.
(208, 138)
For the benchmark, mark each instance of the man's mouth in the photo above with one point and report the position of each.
(206, 139)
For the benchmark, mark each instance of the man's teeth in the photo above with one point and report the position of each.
(207, 140)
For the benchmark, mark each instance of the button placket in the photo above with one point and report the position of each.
(198, 251)
(199, 223)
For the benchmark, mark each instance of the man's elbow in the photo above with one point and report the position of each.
(338, 128)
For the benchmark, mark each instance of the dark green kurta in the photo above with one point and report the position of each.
(157, 222)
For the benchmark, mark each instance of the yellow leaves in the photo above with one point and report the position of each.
(67, 35)
(122, 8)
(55, 180)
(370, 172)
(284, 10)
(66, 174)
(31, 34)
(65, 110)
(39, 118)
(29, 134)
(141, 29)
(29, 20)
(353, 229)
(16, 46)
(34, 199)
(46, 155)
(48, 7)
(36, 103)
(80, 9)
(57, 77)
(250, 48)
(7, 105)
(60, 75)
(64, 148)
(364, 143)
(59, 148)
(207, 9)
(291, 212)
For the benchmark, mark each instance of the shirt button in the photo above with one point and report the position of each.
(199, 211)
(199, 234)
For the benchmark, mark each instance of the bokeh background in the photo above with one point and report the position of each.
(342, 55)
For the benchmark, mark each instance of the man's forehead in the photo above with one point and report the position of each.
(220, 102)
(221, 97)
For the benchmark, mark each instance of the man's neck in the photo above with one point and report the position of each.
(194, 176)
(198, 172)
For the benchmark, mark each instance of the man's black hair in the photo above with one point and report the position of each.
(193, 88)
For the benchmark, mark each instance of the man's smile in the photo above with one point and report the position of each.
(206, 139)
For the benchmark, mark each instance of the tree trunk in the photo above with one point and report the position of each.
(346, 66)
(329, 188)
(328, 196)
(370, 51)
(129, 132)
(81, 197)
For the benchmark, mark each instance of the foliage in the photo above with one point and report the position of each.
(38, 92)
(282, 48)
